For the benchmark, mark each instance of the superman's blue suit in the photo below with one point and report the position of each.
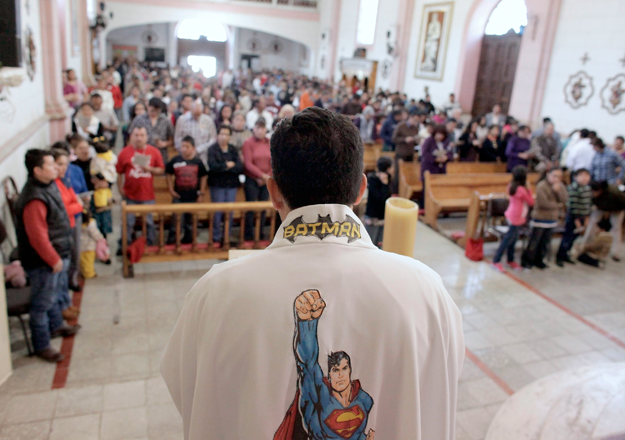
(315, 413)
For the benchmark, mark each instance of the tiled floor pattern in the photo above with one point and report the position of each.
(114, 390)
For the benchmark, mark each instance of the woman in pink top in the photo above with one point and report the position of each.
(74, 90)
(520, 201)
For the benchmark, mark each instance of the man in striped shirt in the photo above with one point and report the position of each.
(607, 165)
(578, 214)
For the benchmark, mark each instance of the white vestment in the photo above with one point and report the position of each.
(240, 352)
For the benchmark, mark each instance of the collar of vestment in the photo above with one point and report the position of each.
(328, 224)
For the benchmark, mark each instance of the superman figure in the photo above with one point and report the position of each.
(331, 408)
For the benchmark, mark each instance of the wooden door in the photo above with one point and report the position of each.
(498, 61)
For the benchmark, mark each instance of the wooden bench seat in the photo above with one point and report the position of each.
(409, 179)
(453, 192)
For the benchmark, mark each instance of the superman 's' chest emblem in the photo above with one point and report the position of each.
(344, 422)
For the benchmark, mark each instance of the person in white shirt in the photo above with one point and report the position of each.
(581, 153)
(260, 109)
(450, 106)
(322, 335)
(107, 97)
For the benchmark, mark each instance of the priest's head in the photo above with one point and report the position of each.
(317, 158)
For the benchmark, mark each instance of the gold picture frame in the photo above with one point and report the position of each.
(433, 40)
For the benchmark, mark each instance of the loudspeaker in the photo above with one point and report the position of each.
(10, 34)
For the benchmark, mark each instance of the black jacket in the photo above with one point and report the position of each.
(219, 176)
(59, 231)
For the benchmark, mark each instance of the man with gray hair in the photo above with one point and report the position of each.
(367, 125)
(199, 126)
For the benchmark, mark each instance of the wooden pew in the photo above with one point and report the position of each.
(452, 192)
(475, 167)
(196, 250)
(371, 155)
(409, 179)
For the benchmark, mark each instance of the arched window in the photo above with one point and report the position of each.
(208, 65)
(509, 14)
(192, 29)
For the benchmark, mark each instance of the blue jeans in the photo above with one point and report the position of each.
(568, 238)
(221, 195)
(254, 193)
(45, 312)
(130, 223)
(185, 227)
(62, 287)
(508, 241)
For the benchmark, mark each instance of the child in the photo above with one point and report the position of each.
(595, 251)
(379, 191)
(551, 197)
(520, 201)
(578, 214)
(91, 239)
(103, 169)
(186, 178)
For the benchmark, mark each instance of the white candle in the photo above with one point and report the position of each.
(400, 226)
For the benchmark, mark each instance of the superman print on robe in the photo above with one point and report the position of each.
(324, 408)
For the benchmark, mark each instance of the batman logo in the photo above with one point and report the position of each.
(322, 228)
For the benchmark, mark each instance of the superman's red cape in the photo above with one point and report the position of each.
(292, 427)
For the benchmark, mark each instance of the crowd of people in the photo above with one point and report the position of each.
(213, 136)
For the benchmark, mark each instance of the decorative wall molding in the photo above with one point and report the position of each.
(578, 89)
(7, 148)
(613, 94)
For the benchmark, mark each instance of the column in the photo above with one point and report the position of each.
(52, 47)
(85, 44)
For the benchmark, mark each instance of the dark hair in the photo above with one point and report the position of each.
(584, 133)
(86, 104)
(581, 170)
(519, 178)
(440, 129)
(598, 186)
(35, 158)
(334, 360)
(220, 117)
(450, 120)
(598, 142)
(621, 138)
(605, 224)
(546, 120)
(100, 144)
(186, 95)
(317, 158)
(226, 127)
(59, 152)
(189, 140)
(415, 112)
(156, 103)
(592, 134)
(133, 114)
(138, 127)
(523, 127)
(260, 122)
(384, 163)
(60, 145)
(494, 126)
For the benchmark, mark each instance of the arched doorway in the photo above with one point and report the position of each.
(499, 56)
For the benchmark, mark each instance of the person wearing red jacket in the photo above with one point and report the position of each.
(73, 206)
(44, 239)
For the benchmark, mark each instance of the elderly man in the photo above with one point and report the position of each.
(545, 149)
(107, 118)
(158, 126)
(367, 126)
(199, 126)
(260, 109)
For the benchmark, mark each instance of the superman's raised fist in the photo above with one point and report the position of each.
(309, 305)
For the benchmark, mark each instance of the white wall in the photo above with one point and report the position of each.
(25, 102)
(129, 14)
(599, 31)
(439, 90)
(132, 36)
(73, 61)
(291, 58)
(388, 20)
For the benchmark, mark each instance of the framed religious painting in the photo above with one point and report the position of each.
(433, 39)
